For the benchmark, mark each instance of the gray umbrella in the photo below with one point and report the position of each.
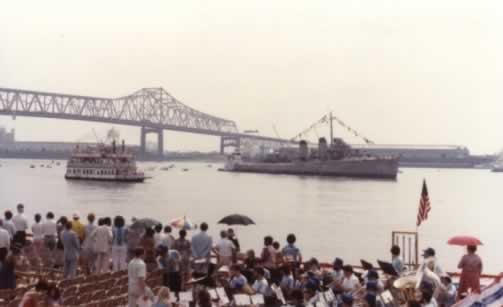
(236, 219)
(141, 224)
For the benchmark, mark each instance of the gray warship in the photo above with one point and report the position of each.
(338, 159)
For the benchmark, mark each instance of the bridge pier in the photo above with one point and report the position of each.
(160, 139)
(229, 141)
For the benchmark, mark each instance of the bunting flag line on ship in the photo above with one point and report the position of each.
(424, 205)
(326, 119)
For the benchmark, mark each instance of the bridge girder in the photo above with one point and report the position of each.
(148, 107)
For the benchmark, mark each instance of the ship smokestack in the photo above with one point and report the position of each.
(123, 146)
(322, 149)
(113, 146)
(303, 151)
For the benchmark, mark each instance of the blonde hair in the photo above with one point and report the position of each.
(163, 295)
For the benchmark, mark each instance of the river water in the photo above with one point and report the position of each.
(348, 218)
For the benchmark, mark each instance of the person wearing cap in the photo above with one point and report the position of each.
(430, 267)
(471, 268)
(350, 282)
(77, 226)
(21, 224)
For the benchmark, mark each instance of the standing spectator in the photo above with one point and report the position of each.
(134, 236)
(471, 268)
(169, 262)
(101, 238)
(21, 225)
(79, 229)
(183, 246)
(168, 239)
(91, 226)
(290, 252)
(147, 242)
(269, 258)
(232, 236)
(158, 236)
(8, 224)
(396, 260)
(50, 231)
(4, 241)
(88, 255)
(201, 251)
(137, 274)
(38, 234)
(224, 249)
(71, 245)
(59, 255)
(119, 245)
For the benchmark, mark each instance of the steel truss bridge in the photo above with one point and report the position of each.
(152, 109)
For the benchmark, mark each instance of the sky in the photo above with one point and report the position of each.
(399, 72)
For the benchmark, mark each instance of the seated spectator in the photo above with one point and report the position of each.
(446, 292)
(261, 286)
(238, 281)
(350, 283)
(163, 298)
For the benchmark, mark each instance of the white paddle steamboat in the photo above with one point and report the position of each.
(104, 164)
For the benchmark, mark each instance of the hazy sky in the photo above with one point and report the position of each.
(422, 72)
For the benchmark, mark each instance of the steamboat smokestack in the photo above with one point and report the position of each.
(123, 146)
(113, 146)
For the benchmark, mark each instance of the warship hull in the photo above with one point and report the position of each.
(385, 168)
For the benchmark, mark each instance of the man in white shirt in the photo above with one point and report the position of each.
(21, 224)
(101, 239)
(168, 239)
(261, 286)
(158, 236)
(50, 232)
(137, 274)
(4, 240)
(224, 250)
(350, 283)
(8, 224)
(38, 234)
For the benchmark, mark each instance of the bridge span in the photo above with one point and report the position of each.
(152, 109)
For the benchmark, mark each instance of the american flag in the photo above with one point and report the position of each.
(424, 205)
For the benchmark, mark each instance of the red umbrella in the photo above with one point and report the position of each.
(464, 241)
